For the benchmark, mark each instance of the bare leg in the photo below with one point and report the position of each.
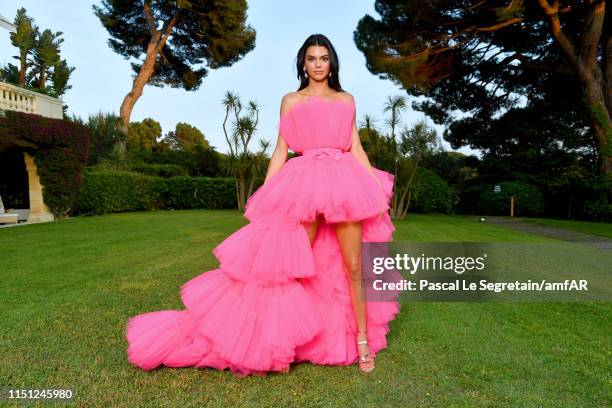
(313, 227)
(349, 238)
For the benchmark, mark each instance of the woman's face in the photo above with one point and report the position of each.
(317, 62)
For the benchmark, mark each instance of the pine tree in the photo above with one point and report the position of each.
(171, 39)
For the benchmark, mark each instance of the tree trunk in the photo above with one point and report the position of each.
(596, 88)
(608, 65)
(241, 195)
(569, 202)
(23, 69)
(237, 193)
(41, 78)
(145, 73)
(601, 123)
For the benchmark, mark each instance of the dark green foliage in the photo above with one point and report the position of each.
(9, 73)
(494, 76)
(452, 167)
(206, 32)
(596, 205)
(46, 54)
(104, 132)
(430, 194)
(143, 135)
(159, 169)
(528, 201)
(199, 192)
(460, 72)
(60, 76)
(598, 210)
(60, 155)
(199, 162)
(117, 191)
(186, 137)
(468, 197)
(120, 191)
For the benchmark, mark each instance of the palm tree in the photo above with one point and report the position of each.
(46, 54)
(24, 38)
(414, 143)
(241, 163)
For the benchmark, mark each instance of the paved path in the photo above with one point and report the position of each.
(551, 232)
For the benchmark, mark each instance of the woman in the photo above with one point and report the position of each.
(289, 286)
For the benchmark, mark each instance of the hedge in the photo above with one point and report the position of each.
(120, 191)
(529, 200)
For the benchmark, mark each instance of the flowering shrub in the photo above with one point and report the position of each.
(59, 151)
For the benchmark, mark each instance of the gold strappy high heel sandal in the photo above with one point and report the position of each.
(366, 361)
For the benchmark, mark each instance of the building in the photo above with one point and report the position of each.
(7, 25)
(18, 173)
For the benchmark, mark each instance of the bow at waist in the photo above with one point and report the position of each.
(320, 152)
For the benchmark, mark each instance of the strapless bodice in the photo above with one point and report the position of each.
(317, 122)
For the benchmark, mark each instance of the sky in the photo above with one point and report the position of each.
(102, 78)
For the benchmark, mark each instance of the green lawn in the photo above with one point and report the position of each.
(68, 288)
(596, 228)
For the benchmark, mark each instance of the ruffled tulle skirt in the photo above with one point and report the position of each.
(275, 299)
(335, 185)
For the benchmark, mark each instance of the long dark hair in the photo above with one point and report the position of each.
(334, 64)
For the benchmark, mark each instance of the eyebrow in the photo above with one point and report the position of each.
(310, 55)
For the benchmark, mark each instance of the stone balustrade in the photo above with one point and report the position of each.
(23, 100)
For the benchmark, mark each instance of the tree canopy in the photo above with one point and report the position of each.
(475, 61)
(173, 42)
(197, 32)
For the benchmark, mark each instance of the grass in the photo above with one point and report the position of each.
(595, 228)
(68, 287)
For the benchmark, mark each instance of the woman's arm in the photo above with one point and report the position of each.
(279, 156)
(360, 154)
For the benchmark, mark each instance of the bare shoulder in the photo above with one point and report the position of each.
(288, 100)
(346, 96)
(290, 96)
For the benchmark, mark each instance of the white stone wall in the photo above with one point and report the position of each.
(18, 99)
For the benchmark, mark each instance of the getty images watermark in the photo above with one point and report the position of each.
(477, 271)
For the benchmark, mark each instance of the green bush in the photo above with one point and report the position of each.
(430, 194)
(528, 199)
(159, 169)
(597, 210)
(59, 148)
(106, 191)
(469, 197)
(199, 192)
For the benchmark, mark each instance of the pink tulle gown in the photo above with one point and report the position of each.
(275, 299)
